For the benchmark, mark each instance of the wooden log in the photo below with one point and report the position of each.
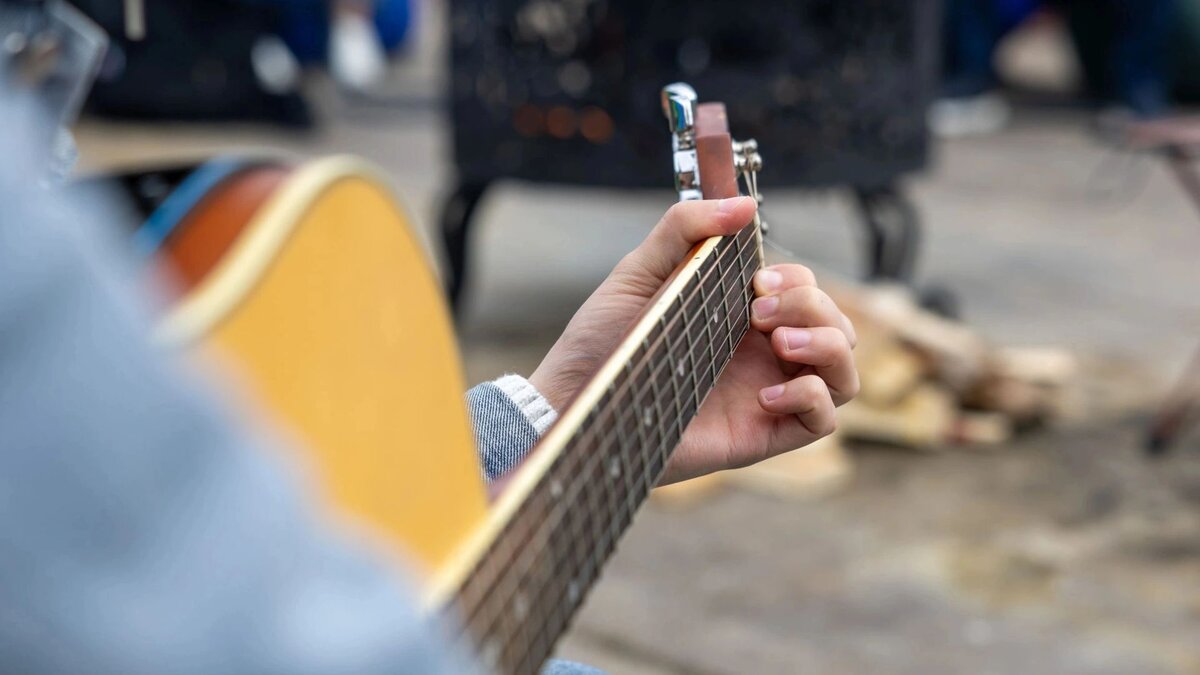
(924, 419)
(1024, 403)
(1048, 366)
(957, 355)
(981, 428)
(888, 370)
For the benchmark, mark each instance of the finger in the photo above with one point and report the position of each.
(800, 306)
(827, 350)
(684, 225)
(807, 398)
(778, 278)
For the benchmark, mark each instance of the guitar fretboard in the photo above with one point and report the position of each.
(526, 588)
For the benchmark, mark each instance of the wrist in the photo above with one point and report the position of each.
(544, 382)
(559, 377)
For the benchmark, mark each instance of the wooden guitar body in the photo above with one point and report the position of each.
(312, 284)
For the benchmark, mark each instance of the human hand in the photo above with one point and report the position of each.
(784, 381)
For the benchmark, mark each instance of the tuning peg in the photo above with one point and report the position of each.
(679, 107)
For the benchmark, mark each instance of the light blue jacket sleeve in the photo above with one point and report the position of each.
(142, 529)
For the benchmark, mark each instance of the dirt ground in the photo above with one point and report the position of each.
(1064, 552)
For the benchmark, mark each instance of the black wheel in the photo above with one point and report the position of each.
(893, 233)
(457, 212)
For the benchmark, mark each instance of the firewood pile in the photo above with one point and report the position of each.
(929, 384)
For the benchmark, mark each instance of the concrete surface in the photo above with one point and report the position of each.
(1065, 552)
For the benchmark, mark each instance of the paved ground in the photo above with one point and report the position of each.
(1063, 553)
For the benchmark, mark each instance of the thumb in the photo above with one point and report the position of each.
(684, 225)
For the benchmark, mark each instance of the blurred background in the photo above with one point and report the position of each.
(998, 191)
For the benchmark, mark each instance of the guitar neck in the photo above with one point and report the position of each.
(567, 507)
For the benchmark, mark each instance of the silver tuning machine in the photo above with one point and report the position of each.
(747, 163)
(679, 107)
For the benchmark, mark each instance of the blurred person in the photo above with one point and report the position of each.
(357, 59)
(353, 37)
(1122, 46)
(145, 528)
(970, 102)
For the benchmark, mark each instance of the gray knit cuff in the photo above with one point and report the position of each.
(509, 416)
(533, 405)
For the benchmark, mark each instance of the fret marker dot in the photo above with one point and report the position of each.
(715, 317)
(614, 467)
(648, 417)
(679, 369)
(556, 489)
(520, 607)
(491, 653)
(573, 591)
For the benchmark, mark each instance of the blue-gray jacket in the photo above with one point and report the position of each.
(144, 528)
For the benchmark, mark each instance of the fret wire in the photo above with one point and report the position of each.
(582, 558)
(625, 449)
(641, 434)
(537, 570)
(671, 359)
(530, 550)
(665, 418)
(540, 614)
(673, 321)
(547, 606)
(622, 451)
(570, 564)
(609, 480)
(712, 355)
(504, 632)
(596, 528)
(663, 439)
(657, 398)
(487, 613)
(601, 490)
(629, 383)
(574, 603)
(695, 293)
(724, 308)
(536, 564)
(729, 315)
(579, 556)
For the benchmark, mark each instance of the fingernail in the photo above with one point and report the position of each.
(730, 203)
(797, 338)
(765, 308)
(771, 393)
(769, 280)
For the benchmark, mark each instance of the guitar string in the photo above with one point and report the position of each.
(701, 289)
(666, 439)
(740, 247)
(619, 512)
(623, 390)
(622, 512)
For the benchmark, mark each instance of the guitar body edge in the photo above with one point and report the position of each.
(328, 310)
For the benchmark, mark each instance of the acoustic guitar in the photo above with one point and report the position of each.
(311, 282)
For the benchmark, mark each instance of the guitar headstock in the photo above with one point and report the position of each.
(708, 162)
